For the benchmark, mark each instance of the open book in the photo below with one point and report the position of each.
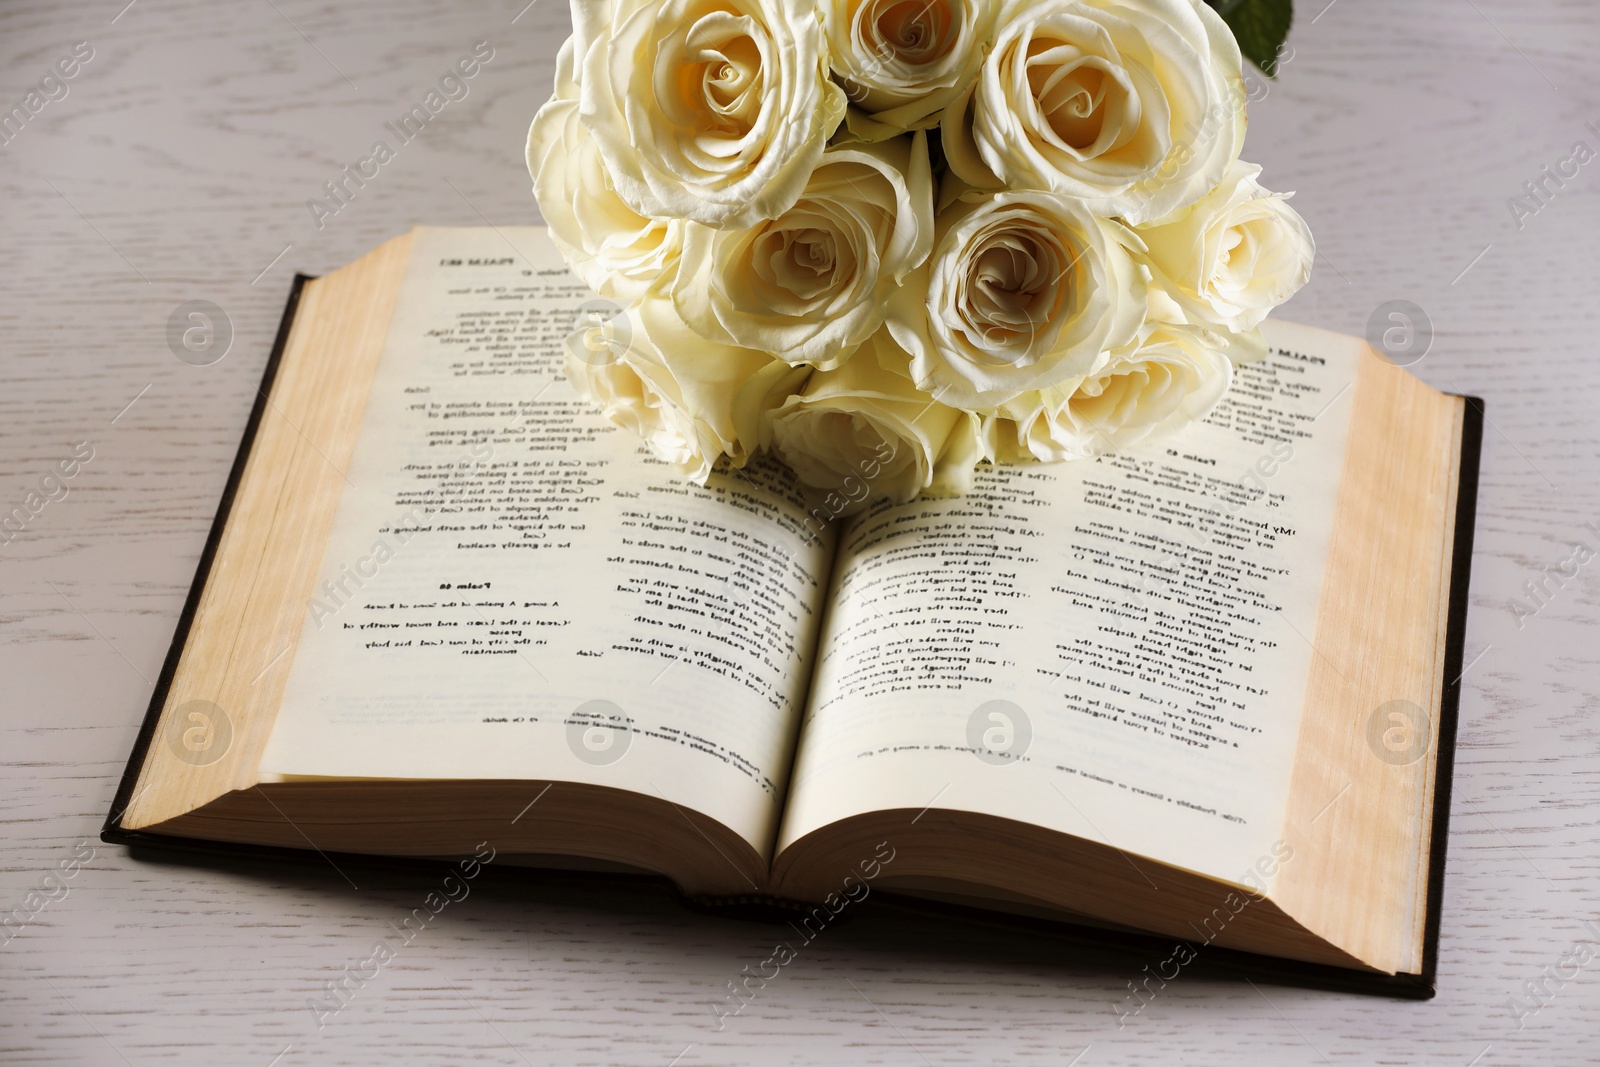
(1204, 689)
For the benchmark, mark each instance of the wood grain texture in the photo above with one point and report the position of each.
(178, 167)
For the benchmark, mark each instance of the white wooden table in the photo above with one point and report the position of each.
(178, 166)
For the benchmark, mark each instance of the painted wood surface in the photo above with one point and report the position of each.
(177, 168)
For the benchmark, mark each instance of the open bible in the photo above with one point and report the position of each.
(1203, 689)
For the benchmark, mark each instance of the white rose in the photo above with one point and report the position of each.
(1024, 290)
(864, 432)
(1137, 108)
(1173, 377)
(1240, 347)
(811, 285)
(902, 61)
(617, 251)
(692, 401)
(1234, 256)
(710, 110)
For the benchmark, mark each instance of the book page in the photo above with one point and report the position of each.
(515, 588)
(1115, 648)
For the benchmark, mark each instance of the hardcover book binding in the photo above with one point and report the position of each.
(1092, 937)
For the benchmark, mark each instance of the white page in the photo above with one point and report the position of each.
(498, 632)
(1163, 716)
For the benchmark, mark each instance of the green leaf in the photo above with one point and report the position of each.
(1260, 27)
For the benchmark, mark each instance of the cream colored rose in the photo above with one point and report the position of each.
(617, 251)
(1173, 377)
(1233, 257)
(902, 61)
(864, 432)
(715, 111)
(1137, 108)
(692, 401)
(1240, 347)
(1024, 290)
(811, 285)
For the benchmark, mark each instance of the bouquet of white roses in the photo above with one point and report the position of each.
(890, 239)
